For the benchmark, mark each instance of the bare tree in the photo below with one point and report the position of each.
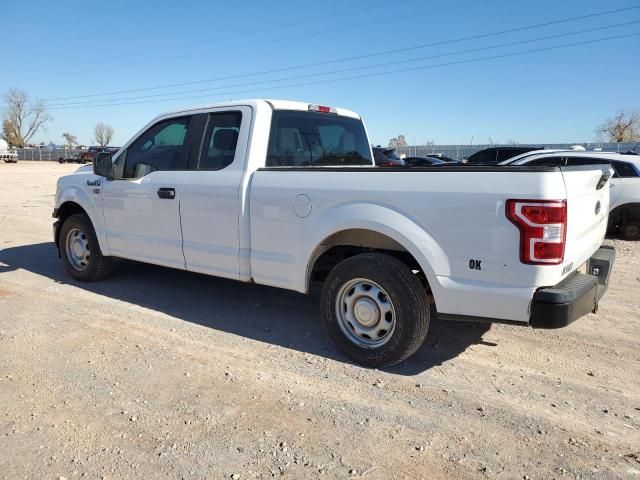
(71, 140)
(22, 119)
(8, 135)
(102, 134)
(623, 127)
(398, 142)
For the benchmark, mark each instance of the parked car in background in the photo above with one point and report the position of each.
(495, 155)
(386, 157)
(422, 161)
(6, 154)
(229, 190)
(73, 158)
(90, 154)
(443, 157)
(624, 216)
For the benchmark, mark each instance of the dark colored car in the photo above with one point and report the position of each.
(386, 157)
(495, 155)
(423, 161)
(89, 155)
(74, 158)
(443, 157)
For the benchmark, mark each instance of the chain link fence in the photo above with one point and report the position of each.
(46, 154)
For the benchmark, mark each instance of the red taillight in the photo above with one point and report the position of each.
(543, 229)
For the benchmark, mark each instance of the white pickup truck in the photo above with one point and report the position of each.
(6, 154)
(285, 194)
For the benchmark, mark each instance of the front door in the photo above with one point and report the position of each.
(141, 206)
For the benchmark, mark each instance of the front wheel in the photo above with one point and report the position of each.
(80, 250)
(375, 309)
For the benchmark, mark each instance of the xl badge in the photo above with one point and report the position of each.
(94, 183)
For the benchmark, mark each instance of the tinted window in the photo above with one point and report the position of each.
(546, 162)
(624, 169)
(220, 140)
(483, 156)
(310, 138)
(160, 148)
(507, 154)
(573, 161)
(392, 154)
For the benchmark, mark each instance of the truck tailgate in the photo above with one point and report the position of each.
(587, 211)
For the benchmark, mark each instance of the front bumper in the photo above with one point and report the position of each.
(576, 295)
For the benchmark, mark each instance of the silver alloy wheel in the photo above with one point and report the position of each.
(77, 249)
(365, 313)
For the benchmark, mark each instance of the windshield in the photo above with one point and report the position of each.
(301, 139)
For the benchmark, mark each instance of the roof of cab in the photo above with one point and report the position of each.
(274, 104)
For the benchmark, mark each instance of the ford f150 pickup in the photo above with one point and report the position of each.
(286, 194)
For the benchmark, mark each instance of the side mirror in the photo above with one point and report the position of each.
(103, 165)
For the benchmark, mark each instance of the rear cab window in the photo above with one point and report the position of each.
(305, 139)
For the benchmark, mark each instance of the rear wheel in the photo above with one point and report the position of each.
(630, 230)
(80, 250)
(375, 309)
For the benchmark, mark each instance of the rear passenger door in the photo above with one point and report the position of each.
(212, 204)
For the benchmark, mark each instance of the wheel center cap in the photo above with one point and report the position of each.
(366, 312)
(78, 249)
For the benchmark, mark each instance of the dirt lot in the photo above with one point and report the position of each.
(157, 373)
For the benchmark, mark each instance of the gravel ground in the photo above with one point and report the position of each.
(157, 373)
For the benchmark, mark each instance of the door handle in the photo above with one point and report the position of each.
(168, 193)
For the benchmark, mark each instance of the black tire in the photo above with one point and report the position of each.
(407, 295)
(98, 266)
(630, 230)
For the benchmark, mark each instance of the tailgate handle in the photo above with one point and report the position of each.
(603, 179)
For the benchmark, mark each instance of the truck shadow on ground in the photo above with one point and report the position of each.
(266, 314)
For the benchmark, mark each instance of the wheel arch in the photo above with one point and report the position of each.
(367, 227)
(622, 213)
(63, 212)
(76, 200)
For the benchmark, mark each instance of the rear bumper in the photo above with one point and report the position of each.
(576, 295)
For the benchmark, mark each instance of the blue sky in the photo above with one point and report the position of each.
(72, 48)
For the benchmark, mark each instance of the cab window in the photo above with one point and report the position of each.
(304, 139)
(220, 140)
(161, 148)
